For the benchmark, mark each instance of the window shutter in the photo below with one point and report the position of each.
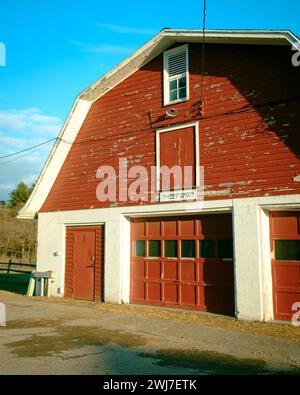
(177, 64)
(176, 70)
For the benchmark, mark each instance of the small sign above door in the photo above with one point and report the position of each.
(178, 196)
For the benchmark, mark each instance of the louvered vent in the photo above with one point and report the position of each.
(177, 64)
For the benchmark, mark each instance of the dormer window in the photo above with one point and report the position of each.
(176, 75)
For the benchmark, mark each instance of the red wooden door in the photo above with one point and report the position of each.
(285, 250)
(183, 262)
(84, 263)
(177, 148)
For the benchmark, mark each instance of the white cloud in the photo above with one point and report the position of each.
(12, 141)
(21, 129)
(127, 29)
(103, 48)
(30, 119)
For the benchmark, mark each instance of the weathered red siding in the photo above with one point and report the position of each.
(177, 148)
(249, 132)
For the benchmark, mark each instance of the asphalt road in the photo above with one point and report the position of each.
(70, 337)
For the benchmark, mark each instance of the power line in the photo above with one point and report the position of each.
(29, 153)
(247, 107)
(123, 135)
(203, 47)
(28, 149)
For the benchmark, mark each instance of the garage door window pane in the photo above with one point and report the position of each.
(154, 248)
(188, 248)
(170, 248)
(206, 249)
(225, 249)
(287, 250)
(139, 248)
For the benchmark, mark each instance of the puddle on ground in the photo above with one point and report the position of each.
(207, 362)
(66, 338)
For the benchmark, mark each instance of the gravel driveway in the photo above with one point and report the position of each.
(61, 336)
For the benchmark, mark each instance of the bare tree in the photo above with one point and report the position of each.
(18, 238)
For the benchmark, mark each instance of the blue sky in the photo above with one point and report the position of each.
(55, 49)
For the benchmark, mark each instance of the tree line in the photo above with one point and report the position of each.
(18, 238)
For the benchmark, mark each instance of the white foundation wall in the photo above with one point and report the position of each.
(252, 263)
(51, 241)
(247, 261)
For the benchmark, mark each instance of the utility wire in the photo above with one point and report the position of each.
(247, 107)
(121, 135)
(28, 149)
(203, 47)
(29, 153)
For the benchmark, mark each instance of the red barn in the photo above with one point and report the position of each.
(221, 231)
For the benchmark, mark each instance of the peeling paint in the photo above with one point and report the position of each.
(212, 86)
(252, 93)
(226, 184)
(233, 146)
(272, 121)
(218, 193)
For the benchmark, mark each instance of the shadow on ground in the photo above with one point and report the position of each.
(213, 363)
(16, 283)
(64, 339)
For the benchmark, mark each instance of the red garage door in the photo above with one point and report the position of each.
(285, 247)
(183, 262)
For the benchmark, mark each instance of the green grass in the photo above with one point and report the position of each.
(16, 283)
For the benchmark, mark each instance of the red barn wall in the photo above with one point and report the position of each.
(249, 131)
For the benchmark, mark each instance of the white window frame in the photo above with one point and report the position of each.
(182, 48)
(195, 125)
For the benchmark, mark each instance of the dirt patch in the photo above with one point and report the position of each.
(204, 362)
(35, 323)
(198, 319)
(6, 294)
(227, 323)
(75, 331)
(67, 337)
(284, 331)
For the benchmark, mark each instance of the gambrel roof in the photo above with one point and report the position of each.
(131, 64)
